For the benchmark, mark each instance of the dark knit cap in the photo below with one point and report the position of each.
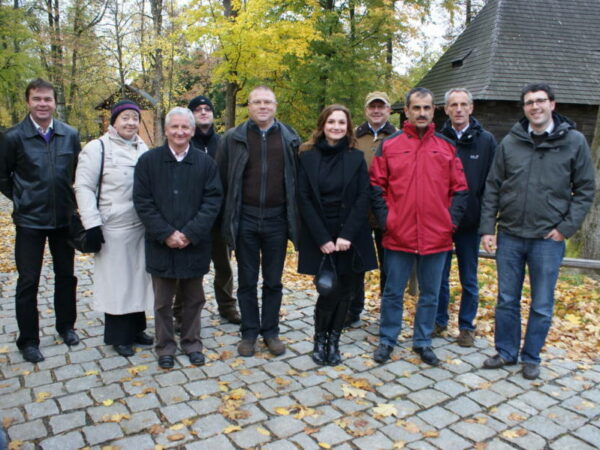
(200, 100)
(121, 106)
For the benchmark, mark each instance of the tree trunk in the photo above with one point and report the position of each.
(156, 7)
(231, 87)
(590, 231)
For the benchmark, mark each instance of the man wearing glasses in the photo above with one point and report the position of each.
(540, 187)
(257, 164)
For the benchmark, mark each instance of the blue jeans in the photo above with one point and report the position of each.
(543, 258)
(466, 244)
(398, 266)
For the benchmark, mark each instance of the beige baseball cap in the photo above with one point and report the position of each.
(377, 95)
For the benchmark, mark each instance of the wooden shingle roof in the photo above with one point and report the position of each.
(515, 42)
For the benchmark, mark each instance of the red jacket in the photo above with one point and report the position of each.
(419, 191)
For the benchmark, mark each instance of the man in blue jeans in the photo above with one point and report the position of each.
(539, 190)
(419, 197)
(475, 147)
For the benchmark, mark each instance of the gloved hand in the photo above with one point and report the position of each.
(95, 238)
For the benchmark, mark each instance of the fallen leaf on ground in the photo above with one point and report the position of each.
(516, 417)
(324, 445)
(431, 434)
(351, 392)
(41, 396)
(156, 429)
(177, 426)
(137, 369)
(176, 437)
(385, 410)
(263, 431)
(231, 429)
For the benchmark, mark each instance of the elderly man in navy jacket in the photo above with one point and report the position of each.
(177, 194)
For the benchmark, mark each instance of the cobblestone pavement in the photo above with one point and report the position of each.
(91, 397)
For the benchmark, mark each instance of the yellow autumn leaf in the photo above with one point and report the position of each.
(431, 434)
(231, 429)
(399, 445)
(41, 396)
(516, 417)
(176, 437)
(324, 445)
(572, 318)
(177, 426)
(108, 402)
(282, 381)
(282, 411)
(263, 431)
(137, 369)
(4, 349)
(351, 392)
(91, 372)
(385, 410)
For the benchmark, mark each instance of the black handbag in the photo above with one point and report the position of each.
(77, 234)
(326, 279)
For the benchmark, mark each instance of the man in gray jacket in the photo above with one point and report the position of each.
(540, 187)
(257, 162)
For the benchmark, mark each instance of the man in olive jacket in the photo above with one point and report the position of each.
(177, 194)
(257, 162)
(37, 165)
(539, 190)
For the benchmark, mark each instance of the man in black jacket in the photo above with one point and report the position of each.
(177, 194)
(206, 139)
(37, 165)
(540, 188)
(475, 147)
(257, 162)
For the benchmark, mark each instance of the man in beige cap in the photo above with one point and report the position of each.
(368, 137)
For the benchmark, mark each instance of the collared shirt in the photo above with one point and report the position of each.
(459, 133)
(180, 157)
(40, 129)
(548, 130)
(376, 132)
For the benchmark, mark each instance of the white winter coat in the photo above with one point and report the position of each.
(121, 284)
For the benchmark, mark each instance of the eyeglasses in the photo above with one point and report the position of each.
(537, 101)
(262, 102)
(203, 109)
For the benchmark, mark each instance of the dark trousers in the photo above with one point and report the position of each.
(357, 301)
(331, 310)
(192, 297)
(261, 244)
(122, 329)
(223, 281)
(29, 255)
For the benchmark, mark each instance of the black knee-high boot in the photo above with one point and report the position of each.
(322, 321)
(337, 324)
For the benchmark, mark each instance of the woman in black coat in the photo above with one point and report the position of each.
(333, 199)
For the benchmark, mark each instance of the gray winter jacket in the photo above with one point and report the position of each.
(531, 190)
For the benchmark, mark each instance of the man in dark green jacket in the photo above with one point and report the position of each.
(257, 162)
(540, 187)
(37, 165)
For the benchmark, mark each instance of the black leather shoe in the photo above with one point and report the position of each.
(232, 316)
(32, 354)
(166, 361)
(196, 358)
(531, 371)
(427, 355)
(319, 355)
(497, 361)
(70, 337)
(124, 350)
(383, 352)
(143, 339)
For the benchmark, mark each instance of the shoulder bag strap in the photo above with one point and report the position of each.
(101, 173)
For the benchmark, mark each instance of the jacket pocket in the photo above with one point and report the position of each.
(559, 205)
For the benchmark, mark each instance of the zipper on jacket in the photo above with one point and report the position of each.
(53, 169)
(527, 190)
(263, 171)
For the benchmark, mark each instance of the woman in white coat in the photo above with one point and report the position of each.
(122, 288)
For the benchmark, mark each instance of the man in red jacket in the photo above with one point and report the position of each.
(419, 197)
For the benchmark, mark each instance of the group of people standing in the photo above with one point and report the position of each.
(349, 199)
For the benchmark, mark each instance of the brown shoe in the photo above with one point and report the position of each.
(232, 316)
(466, 338)
(246, 347)
(275, 345)
(439, 330)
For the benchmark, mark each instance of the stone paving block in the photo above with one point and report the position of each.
(438, 374)
(209, 425)
(249, 437)
(323, 414)
(97, 434)
(139, 421)
(67, 441)
(178, 412)
(392, 390)
(415, 382)
(37, 378)
(205, 406)
(172, 394)
(54, 389)
(171, 378)
(284, 426)
(82, 384)
(544, 427)
(582, 406)
(476, 432)
(438, 417)
(486, 397)
(538, 400)
(589, 434)
(351, 406)
(463, 407)
(530, 441)
(27, 431)
(375, 441)
(68, 371)
(142, 441)
(471, 380)
(90, 354)
(202, 387)
(305, 442)
(75, 401)
(403, 431)
(592, 395)
(497, 444)
(312, 379)
(302, 363)
(102, 413)
(52, 362)
(506, 389)
(509, 414)
(428, 397)
(450, 440)
(400, 367)
(516, 403)
(270, 404)
(331, 434)
(216, 369)
(11, 415)
(450, 387)
(261, 390)
(219, 442)
(564, 417)
(254, 415)
(282, 444)
(109, 392)
(311, 396)
(113, 363)
(41, 409)
(19, 398)
(570, 443)
(136, 404)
